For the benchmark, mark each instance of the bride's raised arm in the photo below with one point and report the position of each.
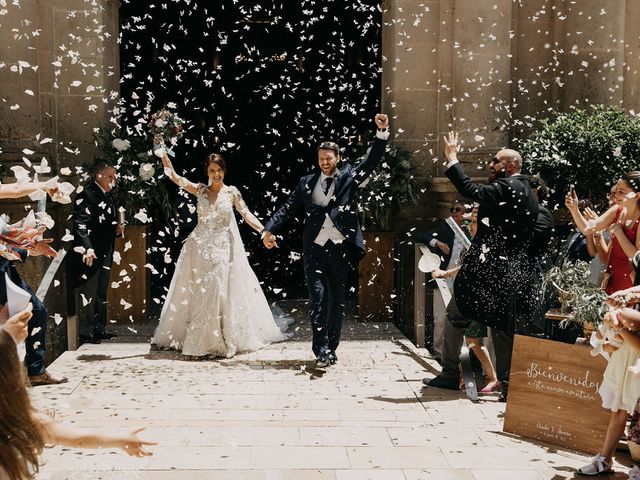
(242, 208)
(182, 182)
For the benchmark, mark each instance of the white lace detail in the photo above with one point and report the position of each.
(215, 305)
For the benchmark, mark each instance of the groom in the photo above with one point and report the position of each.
(332, 238)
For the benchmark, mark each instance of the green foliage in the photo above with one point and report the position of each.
(389, 187)
(136, 188)
(588, 148)
(581, 299)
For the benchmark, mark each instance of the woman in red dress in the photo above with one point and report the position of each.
(622, 222)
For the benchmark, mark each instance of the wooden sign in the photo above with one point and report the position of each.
(553, 394)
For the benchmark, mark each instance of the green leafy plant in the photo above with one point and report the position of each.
(588, 148)
(139, 184)
(389, 187)
(583, 301)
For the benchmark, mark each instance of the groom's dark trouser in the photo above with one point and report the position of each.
(454, 328)
(92, 318)
(326, 269)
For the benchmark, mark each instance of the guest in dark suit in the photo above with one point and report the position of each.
(442, 241)
(95, 226)
(36, 341)
(539, 257)
(488, 285)
(332, 237)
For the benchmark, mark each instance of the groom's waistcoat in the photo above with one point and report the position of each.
(342, 207)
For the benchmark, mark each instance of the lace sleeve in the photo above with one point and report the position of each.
(243, 210)
(201, 188)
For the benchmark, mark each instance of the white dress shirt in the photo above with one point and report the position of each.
(456, 250)
(318, 197)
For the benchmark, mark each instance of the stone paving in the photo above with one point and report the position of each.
(269, 415)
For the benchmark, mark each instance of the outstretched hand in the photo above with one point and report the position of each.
(451, 146)
(382, 120)
(133, 445)
(42, 247)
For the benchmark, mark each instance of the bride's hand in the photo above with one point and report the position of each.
(269, 240)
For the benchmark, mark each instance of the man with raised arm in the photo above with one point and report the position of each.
(332, 237)
(488, 286)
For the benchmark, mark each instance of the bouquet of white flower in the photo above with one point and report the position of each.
(166, 128)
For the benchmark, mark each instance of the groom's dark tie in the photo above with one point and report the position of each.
(327, 184)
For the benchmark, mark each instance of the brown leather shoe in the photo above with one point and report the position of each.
(46, 379)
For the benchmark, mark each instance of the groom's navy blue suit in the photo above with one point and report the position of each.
(327, 266)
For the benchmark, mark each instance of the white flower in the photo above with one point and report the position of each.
(147, 171)
(120, 145)
(160, 123)
(617, 151)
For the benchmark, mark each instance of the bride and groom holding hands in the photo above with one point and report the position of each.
(215, 305)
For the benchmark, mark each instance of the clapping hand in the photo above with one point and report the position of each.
(589, 214)
(615, 229)
(382, 121)
(571, 200)
(88, 257)
(451, 146)
(437, 273)
(624, 298)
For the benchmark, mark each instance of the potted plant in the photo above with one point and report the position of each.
(633, 437)
(391, 186)
(589, 148)
(580, 300)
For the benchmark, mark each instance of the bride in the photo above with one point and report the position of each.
(215, 305)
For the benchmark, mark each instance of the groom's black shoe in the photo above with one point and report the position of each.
(441, 382)
(89, 339)
(106, 336)
(333, 358)
(322, 361)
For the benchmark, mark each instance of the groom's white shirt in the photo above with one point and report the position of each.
(318, 197)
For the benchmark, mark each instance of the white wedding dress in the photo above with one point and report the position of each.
(215, 305)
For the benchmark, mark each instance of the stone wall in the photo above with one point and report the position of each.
(488, 69)
(59, 75)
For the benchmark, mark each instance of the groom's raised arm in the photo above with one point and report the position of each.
(369, 164)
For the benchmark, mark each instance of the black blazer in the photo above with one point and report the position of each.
(443, 233)
(488, 285)
(7, 266)
(94, 226)
(341, 208)
(542, 234)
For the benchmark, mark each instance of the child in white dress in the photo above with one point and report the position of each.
(620, 388)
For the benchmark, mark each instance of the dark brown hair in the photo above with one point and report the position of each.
(633, 179)
(20, 435)
(101, 167)
(333, 146)
(217, 159)
(539, 185)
